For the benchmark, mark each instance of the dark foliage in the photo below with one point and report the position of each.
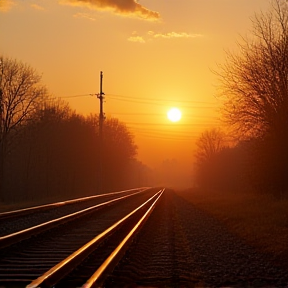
(57, 154)
(255, 87)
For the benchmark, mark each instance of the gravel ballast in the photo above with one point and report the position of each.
(181, 246)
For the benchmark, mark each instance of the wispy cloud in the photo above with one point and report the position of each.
(170, 35)
(37, 7)
(84, 16)
(122, 7)
(153, 35)
(138, 39)
(6, 5)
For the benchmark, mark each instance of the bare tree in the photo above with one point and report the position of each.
(209, 144)
(20, 93)
(255, 81)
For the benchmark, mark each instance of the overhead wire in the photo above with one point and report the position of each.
(157, 133)
(75, 96)
(157, 124)
(166, 135)
(190, 115)
(167, 101)
(160, 100)
(123, 97)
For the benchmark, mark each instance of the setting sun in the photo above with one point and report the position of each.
(174, 114)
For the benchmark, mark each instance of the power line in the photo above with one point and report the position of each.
(155, 130)
(123, 97)
(75, 96)
(136, 113)
(148, 101)
(161, 100)
(164, 124)
(140, 99)
(192, 115)
(135, 100)
(169, 137)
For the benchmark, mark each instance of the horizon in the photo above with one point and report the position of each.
(154, 56)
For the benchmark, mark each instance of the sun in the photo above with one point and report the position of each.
(174, 114)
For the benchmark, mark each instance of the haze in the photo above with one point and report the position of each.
(154, 55)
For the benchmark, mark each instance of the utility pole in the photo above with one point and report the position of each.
(100, 96)
(1, 143)
(1, 109)
(1, 112)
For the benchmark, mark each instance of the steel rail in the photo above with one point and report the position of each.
(28, 210)
(26, 233)
(56, 273)
(98, 277)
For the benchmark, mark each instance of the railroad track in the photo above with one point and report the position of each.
(79, 252)
(13, 221)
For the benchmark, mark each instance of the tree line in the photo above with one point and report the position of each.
(254, 87)
(47, 149)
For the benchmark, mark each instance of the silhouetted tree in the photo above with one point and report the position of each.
(119, 149)
(209, 145)
(224, 167)
(20, 94)
(255, 84)
(57, 155)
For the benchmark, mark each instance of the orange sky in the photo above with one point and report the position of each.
(154, 54)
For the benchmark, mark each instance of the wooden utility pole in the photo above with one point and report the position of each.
(1, 144)
(100, 96)
(1, 112)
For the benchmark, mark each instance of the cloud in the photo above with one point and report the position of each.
(170, 35)
(153, 35)
(123, 7)
(37, 7)
(138, 39)
(6, 5)
(85, 16)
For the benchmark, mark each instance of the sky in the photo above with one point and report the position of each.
(154, 54)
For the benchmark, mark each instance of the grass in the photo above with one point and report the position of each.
(261, 220)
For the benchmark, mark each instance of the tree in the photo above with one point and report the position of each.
(209, 145)
(255, 81)
(255, 85)
(57, 155)
(118, 151)
(20, 94)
